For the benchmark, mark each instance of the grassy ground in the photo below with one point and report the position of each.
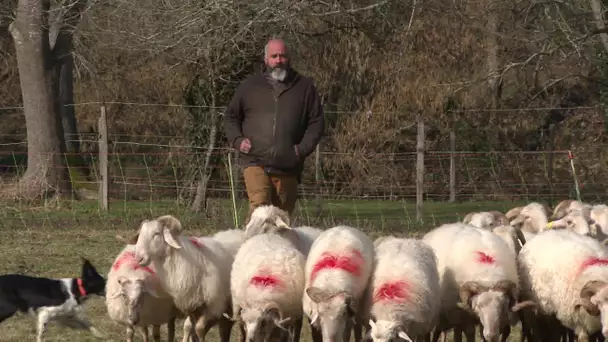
(44, 242)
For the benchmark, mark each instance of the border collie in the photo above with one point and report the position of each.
(51, 299)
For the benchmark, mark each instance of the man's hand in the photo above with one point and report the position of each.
(245, 145)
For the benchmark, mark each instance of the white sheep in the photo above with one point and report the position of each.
(532, 218)
(498, 223)
(566, 274)
(403, 297)
(267, 282)
(194, 271)
(566, 206)
(337, 273)
(599, 215)
(272, 219)
(231, 239)
(134, 297)
(578, 221)
(478, 277)
(486, 219)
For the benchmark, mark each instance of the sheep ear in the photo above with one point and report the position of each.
(280, 223)
(150, 288)
(318, 295)
(404, 336)
(115, 294)
(170, 239)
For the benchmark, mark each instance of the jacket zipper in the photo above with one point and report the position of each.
(274, 126)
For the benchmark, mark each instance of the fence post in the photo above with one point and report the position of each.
(419, 168)
(103, 159)
(576, 185)
(452, 164)
(551, 139)
(235, 212)
(318, 179)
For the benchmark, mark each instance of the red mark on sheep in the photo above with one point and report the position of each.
(265, 281)
(397, 291)
(196, 242)
(128, 258)
(349, 263)
(485, 258)
(593, 261)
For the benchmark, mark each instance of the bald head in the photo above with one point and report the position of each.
(276, 58)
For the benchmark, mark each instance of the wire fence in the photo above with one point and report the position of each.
(345, 182)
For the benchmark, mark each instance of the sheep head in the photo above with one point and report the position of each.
(157, 238)
(491, 305)
(262, 323)
(577, 221)
(486, 219)
(267, 219)
(333, 309)
(385, 330)
(133, 290)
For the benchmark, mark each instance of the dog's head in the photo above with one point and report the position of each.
(92, 281)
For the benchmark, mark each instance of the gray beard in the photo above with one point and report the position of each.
(278, 74)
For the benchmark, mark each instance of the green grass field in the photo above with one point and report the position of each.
(48, 242)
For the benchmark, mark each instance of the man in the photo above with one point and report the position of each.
(275, 120)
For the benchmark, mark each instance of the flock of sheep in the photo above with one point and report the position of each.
(547, 270)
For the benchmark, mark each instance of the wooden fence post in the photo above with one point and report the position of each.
(452, 165)
(420, 169)
(103, 159)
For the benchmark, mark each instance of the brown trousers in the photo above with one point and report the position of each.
(270, 189)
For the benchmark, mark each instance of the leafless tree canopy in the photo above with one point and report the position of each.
(384, 60)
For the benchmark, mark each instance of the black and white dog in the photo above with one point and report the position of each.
(51, 299)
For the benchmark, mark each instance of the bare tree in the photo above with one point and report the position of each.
(41, 47)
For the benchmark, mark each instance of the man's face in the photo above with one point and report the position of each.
(276, 56)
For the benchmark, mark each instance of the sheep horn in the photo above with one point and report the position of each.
(470, 289)
(524, 304)
(590, 288)
(508, 287)
(171, 223)
(560, 209)
(513, 213)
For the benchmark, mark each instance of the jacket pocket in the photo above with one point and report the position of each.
(285, 157)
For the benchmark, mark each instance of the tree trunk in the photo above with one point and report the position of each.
(492, 46)
(62, 21)
(205, 170)
(66, 96)
(598, 15)
(46, 173)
